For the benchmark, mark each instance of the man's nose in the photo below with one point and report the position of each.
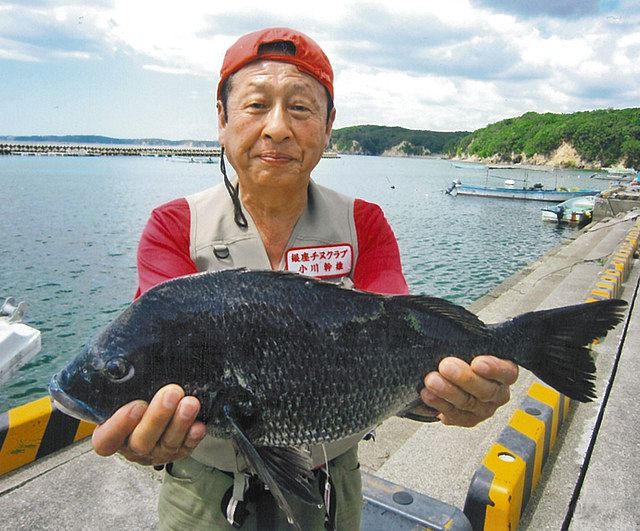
(277, 126)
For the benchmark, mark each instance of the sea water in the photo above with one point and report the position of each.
(69, 228)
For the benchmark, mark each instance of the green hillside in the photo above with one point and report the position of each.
(603, 137)
(376, 139)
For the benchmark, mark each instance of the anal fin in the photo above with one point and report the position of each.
(278, 468)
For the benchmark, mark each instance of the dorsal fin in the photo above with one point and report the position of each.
(454, 313)
(434, 306)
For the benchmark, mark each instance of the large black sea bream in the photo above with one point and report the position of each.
(280, 361)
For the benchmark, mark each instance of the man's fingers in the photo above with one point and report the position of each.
(492, 368)
(176, 435)
(450, 415)
(146, 436)
(196, 433)
(468, 394)
(110, 437)
(468, 388)
(135, 458)
(159, 432)
(434, 401)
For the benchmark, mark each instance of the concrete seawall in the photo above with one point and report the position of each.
(75, 489)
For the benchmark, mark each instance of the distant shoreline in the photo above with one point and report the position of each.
(94, 149)
(189, 153)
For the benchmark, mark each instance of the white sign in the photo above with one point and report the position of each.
(324, 261)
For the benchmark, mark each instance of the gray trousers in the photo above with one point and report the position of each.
(191, 498)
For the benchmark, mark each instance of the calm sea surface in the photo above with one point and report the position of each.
(69, 229)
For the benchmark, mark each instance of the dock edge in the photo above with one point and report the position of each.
(510, 471)
(35, 429)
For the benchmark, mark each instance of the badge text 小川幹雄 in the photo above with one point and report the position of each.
(321, 261)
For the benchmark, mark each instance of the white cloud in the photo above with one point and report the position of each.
(168, 70)
(555, 51)
(19, 51)
(431, 65)
(16, 51)
(625, 57)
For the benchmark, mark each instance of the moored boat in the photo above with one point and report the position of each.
(575, 211)
(18, 341)
(515, 187)
(537, 192)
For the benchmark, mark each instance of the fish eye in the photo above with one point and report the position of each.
(118, 369)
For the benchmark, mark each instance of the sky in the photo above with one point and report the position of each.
(142, 68)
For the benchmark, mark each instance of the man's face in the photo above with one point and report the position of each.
(276, 127)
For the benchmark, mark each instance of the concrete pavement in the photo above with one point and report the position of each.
(611, 488)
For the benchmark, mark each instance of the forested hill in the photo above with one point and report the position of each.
(379, 140)
(606, 137)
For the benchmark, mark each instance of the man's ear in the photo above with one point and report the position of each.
(222, 122)
(332, 117)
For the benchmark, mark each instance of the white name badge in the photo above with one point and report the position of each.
(324, 261)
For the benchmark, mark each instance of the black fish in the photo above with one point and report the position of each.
(280, 361)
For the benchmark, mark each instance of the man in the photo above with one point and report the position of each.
(275, 114)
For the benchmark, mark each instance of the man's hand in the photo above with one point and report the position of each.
(152, 434)
(468, 394)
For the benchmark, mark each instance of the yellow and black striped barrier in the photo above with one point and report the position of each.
(33, 430)
(510, 471)
(610, 281)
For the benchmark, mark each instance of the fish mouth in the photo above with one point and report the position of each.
(72, 406)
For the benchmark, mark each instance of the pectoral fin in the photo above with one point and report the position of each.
(418, 410)
(278, 468)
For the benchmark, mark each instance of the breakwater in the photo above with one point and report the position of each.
(96, 150)
(99, 150)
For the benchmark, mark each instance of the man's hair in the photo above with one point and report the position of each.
(280, 47)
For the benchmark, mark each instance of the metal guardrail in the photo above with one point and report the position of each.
(390, 506)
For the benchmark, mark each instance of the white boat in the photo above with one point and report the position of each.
(621, 171)
(576, 211)
(19, 342)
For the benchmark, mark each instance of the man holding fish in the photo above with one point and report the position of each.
(275, 114)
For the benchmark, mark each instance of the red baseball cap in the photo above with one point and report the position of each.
(308, 56)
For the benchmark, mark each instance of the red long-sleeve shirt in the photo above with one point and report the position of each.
(163, 252)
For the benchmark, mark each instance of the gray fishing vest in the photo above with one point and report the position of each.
(217, 243)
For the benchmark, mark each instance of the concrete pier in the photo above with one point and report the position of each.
(589, 481)
(118, 150)
(96, 150)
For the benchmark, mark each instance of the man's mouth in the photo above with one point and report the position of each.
(273, 156)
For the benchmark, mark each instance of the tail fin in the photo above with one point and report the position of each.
(553, 344)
